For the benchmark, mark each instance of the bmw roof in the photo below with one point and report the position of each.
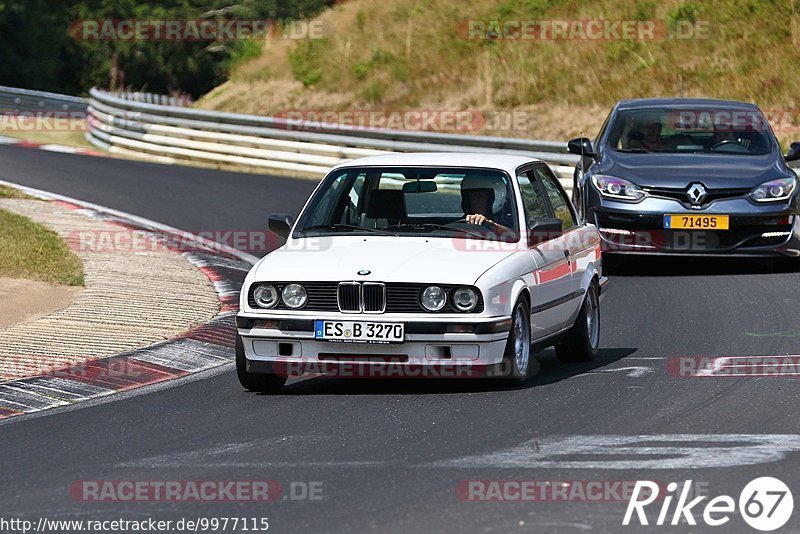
(490, 160)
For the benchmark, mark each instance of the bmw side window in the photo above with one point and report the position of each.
(532, 200)
(558, 200)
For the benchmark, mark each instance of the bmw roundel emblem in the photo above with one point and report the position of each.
(364, 272)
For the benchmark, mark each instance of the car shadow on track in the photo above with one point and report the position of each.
(551, 372)
(688, 266)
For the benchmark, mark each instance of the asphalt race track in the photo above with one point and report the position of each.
(394, 455)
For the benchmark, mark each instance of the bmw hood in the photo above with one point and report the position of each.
(386, 258)
(715, 171)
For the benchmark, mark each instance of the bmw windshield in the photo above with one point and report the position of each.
(712, 131)
(413, 201)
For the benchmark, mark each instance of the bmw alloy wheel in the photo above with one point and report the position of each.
(522, 340)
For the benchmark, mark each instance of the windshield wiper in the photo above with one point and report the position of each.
(634, 150)
(339, 226)
(435, 226)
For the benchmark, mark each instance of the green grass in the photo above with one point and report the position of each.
(31, 251)
(407, 54)
(75, 136)
(308, 61)
(10, 192)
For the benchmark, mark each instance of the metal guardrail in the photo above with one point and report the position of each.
(154, 98)
(28, 100)
(169, 133)
(163, 128)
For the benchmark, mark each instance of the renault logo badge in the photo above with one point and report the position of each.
(697, 193)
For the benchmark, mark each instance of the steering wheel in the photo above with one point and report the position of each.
(726, 142)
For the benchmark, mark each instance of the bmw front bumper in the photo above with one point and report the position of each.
(448, 348)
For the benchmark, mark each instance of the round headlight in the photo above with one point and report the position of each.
(433, 298)
(294, 296)
(465, 299)
(265, 295)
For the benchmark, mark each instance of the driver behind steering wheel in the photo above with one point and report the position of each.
(724, 134)
(478, 197)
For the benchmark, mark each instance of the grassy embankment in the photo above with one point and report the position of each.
(411, 54)
(31, 251)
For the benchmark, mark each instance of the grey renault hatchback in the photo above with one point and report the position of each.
(688, 177)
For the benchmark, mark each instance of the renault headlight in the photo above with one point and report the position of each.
(774, 190)
(617, 188)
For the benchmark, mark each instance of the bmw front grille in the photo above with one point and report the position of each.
(357, 297)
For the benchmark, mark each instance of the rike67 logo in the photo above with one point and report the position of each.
(765, 504)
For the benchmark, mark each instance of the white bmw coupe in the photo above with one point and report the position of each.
(423, 265)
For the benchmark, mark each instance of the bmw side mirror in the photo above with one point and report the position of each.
(281, 224)
(542, 230)
(581, 146)
(794, 152)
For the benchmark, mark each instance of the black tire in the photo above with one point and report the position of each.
(259, 382)
(510, 368)
(582, 341)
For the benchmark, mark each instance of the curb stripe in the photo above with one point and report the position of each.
(49, 147)
(203, 347)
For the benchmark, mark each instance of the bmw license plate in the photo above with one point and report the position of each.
(696, 222)
(359, 332)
